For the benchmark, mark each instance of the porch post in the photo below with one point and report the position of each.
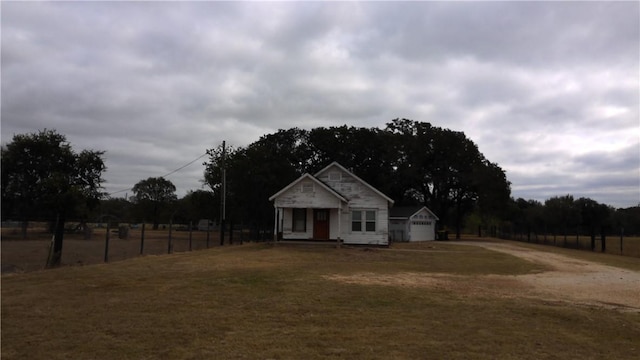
(275, 225)
(339, 221)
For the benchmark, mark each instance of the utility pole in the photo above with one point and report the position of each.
(223, 205)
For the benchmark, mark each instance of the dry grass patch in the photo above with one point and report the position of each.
(262, 302)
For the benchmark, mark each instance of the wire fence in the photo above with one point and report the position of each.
(114, 242)
(609, 242)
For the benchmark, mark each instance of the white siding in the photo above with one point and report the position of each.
(378, 237)
(360, 196)
(422, 226)
(398, 230)
(287, 226)
(318, 198)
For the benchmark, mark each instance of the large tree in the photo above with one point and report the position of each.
(154, 195)
(445, 171)
(42, 177)
(562, 214)
(412, 162)
(196, 205)
(256, 172)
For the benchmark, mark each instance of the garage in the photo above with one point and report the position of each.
(413, 223)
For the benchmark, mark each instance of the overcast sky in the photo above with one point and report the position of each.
(548, 90)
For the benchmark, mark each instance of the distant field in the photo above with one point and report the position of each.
(258, 301)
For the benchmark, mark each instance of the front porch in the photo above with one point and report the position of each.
(309, 224)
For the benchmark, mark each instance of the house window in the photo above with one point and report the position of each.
(307, 187)
(335, 176)
(363, 220)
(299, 220)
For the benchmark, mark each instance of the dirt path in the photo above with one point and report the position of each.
(569, 280)
(576, 280)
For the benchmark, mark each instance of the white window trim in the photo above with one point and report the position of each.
(363, 221)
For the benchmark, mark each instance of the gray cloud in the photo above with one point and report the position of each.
(548, 90)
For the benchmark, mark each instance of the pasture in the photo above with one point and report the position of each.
(257, 301)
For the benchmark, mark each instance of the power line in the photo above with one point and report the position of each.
(165, 175)
(184, 166)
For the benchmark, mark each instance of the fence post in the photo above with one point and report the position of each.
(142, 239)
(222, 226)
(603, 239)
(190, 234)
(621, 237)
(106, 244)
(170, 244)
(208, 232)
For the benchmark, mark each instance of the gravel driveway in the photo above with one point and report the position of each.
(575, 280)
(569, 280)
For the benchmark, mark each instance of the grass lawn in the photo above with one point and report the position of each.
(260, 302)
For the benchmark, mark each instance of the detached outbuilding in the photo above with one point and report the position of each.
(412, 223)
(334, 204)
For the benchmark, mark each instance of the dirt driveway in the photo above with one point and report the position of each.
(570, 280)
(576, 280)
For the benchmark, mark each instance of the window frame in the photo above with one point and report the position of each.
(297, 215)
(335, 176)
(307, 188)
(364, 223)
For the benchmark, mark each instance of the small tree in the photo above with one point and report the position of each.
(43, 177)
(153, 195)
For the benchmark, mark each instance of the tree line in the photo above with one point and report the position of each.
(565, 215)
(414, 163)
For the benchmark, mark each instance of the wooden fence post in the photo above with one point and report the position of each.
(142, 239)
(621, 237)
(190, 234)
(222, 227)
(169, 247)
(106, 244)
(208, 232)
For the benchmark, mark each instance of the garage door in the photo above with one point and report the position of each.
(422, 231)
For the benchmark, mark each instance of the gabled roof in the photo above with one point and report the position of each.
(357, 178)
(405, 212)
(314, 180)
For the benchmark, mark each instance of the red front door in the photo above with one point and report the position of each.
(321, 224)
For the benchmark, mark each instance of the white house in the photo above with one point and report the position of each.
(334, 204)
(416, 223)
